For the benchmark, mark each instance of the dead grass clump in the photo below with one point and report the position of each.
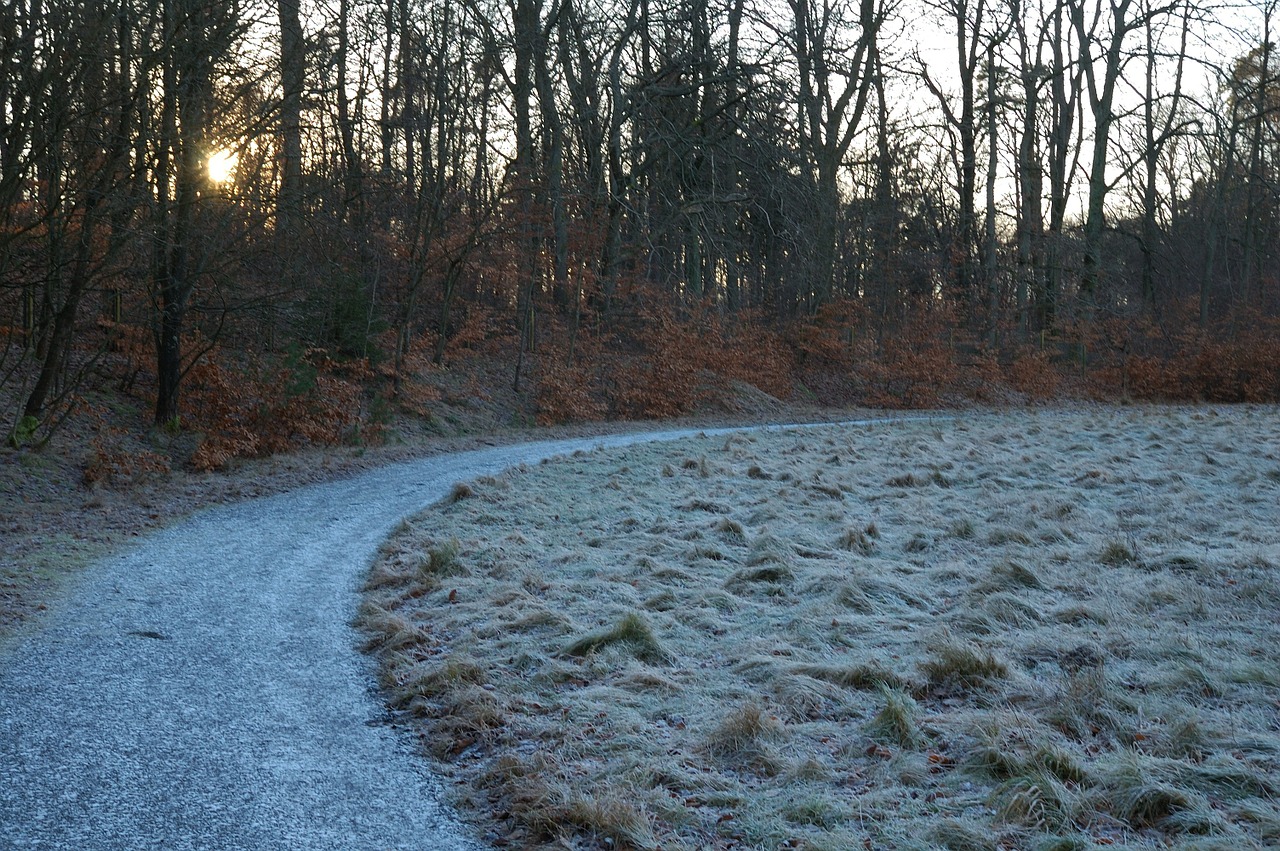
(452, 672)
(964, 666)
(906, 480)
(1141, 793)
(541, 618)
(1008, 608)
(997, 753)
(768, 549)
(828, 491)
(864, 677)
(442, 560)
(1038, 800)
(962, 529)
(858, 541)
(1002, 535)
(613, 815)
(430, 682)
(1116, 554)
(468, 710)
(386, 631)
(1066, 843)
(1225, 776)
(1059, 762)
(1088, 706)
(528, 791)
(643, 679)
(746, 739)
(772, 576)
(1012, 575)
(731, 530)
(806, 698)
(459, 492)
(755, 472)
(706, 505)
(957, 835)
(1184, 738)
(386, 574)
(663, 601)
(815, 811)
(632, 634)
(1079, 614)
(898, 719)
(1263, 818)
(868, 596)
(851, 595)
(918, 543)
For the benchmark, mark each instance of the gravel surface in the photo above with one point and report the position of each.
(204, 689)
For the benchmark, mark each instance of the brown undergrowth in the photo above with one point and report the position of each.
(1017, 630)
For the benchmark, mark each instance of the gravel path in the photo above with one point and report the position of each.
(204, 689)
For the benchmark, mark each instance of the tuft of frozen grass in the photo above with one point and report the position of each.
(919, 543)
(435, 680)
(731, 530)
(746, 739)
(962, 835)
(1039, 800)
(1142, 793)
(385, 630)
(764, 574)
(898, 719)
(963, 665)
(1013, 575)
(867, 677)
(632, 634)
(858, 540)
(613, 816)
(442, 560)
(459, 492)
(1117, 553)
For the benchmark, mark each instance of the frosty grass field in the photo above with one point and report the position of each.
(1011, 630)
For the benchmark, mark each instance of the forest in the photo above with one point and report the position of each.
(278, 223)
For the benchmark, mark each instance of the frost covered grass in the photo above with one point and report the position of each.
(1013, 630)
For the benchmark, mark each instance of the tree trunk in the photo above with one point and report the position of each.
(292, 80)
(1033, 296)
(1101, 99)
(990, 257)
(1064, 114)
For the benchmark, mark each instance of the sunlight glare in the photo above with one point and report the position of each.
(222, 166)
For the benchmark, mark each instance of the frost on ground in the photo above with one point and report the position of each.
(1018, 630)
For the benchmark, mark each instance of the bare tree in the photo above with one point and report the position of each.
(1102, 59)
(835, 81)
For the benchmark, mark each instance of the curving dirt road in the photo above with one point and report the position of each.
(204, 689)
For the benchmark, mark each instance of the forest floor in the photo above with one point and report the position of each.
(1023, 629)
(53, 522)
